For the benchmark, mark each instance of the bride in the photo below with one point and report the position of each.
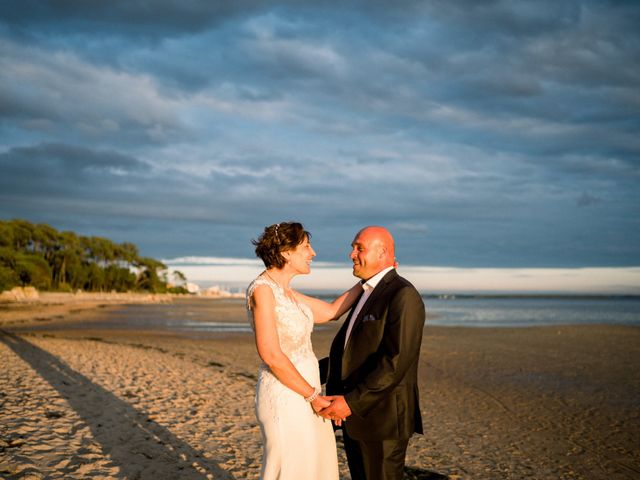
(297, 443)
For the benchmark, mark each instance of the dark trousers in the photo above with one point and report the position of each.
(382, 460)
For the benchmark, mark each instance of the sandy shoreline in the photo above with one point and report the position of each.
(28, 306)
(540, 403)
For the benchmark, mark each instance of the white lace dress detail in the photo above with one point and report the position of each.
(298, 444)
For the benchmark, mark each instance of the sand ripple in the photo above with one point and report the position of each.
(89, 409)
(512, 404)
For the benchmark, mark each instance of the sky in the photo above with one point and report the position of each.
(484, 135)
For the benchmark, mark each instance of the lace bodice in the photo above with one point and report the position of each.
(294, 321)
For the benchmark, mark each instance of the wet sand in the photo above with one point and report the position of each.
(520, 403)
(28, 306)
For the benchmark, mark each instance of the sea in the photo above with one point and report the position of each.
(197, 318)
(528, 311)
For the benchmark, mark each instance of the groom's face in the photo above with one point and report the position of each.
(367, 255)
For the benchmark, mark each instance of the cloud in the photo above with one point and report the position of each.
(72, 98)
(133, 17)
(476, 132)
(74, 158)
(586, 200)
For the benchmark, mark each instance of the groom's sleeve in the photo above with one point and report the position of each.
(323, 363)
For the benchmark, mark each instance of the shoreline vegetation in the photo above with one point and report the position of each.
(40, 256)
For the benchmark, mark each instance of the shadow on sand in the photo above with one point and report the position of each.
(413, 473)
(121, 431)
(410, 473)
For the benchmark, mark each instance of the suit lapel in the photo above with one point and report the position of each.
(380, 288)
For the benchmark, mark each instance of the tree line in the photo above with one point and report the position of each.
(38, 255)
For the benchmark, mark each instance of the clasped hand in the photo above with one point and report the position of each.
(332, 407)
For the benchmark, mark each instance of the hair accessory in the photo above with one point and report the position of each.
(276, 230)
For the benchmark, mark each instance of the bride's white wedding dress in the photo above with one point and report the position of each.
(298, 444)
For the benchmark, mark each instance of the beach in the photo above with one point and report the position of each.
(27, 306)
(85, 401)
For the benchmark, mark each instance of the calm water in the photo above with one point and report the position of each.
(206, 317)
(523, 312)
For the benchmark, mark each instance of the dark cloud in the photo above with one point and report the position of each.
(71, 159)
(489, 133)
(136, 17)
(586, 199)
(64, 171)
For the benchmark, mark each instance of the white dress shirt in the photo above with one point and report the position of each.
(368, 287)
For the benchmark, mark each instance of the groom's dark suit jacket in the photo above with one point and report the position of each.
(377, 371)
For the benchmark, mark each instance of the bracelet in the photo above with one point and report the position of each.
(313, 396)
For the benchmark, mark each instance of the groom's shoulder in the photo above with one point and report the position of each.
(398, 282)
(408, 294)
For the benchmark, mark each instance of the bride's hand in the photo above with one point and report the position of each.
(319, 403)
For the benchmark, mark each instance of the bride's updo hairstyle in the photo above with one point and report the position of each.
(278, 238)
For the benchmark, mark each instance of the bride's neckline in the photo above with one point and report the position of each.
(274, 281)
(288, 295)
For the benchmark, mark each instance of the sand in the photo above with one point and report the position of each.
(26, 306)
(520, 403)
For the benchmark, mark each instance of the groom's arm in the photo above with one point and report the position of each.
(323, 363)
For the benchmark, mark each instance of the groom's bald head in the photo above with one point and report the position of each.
(372, 251)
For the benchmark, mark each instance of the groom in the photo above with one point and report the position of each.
(373, 363)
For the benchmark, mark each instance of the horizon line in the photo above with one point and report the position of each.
(333, 276)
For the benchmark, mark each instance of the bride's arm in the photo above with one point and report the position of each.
(325, 311)
(268, 345)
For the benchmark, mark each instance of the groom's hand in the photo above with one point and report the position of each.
(337, 411)
(319, 403)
